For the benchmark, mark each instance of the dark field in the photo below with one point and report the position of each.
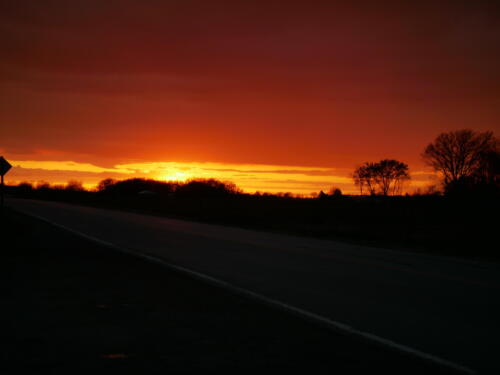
(70, 306)
(461, 226)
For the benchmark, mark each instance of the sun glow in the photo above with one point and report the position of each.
(249, 177)
(177, 176)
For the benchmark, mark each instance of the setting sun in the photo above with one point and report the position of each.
(236, 186)
(177, 176)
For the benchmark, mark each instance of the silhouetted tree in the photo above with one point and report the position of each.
(73, 185)
(105, 184)
(464, 158)
(335, 191)
(362, 178)
(322, 195)
(385, 177)
(489, 169)
(42, 186)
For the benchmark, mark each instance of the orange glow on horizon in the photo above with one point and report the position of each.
(272, 96)
(248, 177)
(176, 177)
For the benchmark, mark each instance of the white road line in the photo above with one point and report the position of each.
(324, 321)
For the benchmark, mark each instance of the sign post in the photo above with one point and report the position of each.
(4, 168)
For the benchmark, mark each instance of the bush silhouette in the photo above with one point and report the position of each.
(206, 188)
(134, 186)
(73, 185)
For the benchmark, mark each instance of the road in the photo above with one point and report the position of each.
(446, 307)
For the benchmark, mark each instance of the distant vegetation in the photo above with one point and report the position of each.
(454, 222)
(384, 178)
(195, 187)
(432, 223)
(468, 161)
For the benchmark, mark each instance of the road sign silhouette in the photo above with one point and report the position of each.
(4, 166)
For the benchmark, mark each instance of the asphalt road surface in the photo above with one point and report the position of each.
(74, 307)
(445, 307)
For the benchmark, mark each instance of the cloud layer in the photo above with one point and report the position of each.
(301, 83)
(250, 178)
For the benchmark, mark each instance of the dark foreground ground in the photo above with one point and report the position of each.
(72, 307)
(458, 226)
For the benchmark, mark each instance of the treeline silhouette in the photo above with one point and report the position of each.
(444, 224)
(468, 163)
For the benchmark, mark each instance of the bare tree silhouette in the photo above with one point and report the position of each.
(464, 157)
(385, 177)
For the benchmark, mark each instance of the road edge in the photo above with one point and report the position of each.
(304, 314)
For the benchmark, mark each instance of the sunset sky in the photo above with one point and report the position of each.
(272, 95)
